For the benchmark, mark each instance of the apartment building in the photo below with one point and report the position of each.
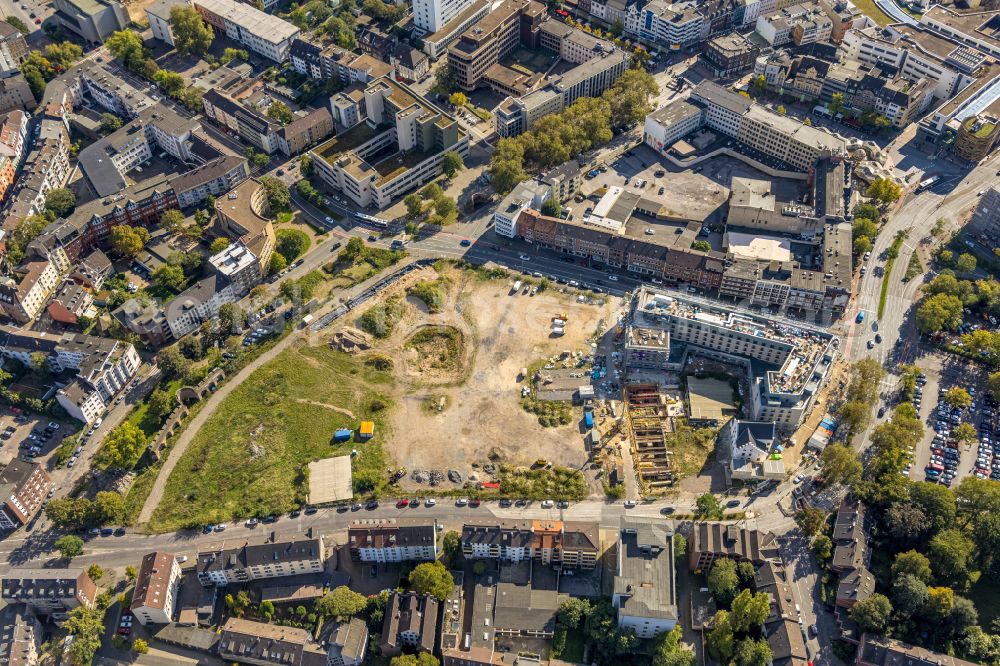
(781, 627)
(242, 215)
(15, 93)
(410, 623)
(106, 161)
(21, 636)
(513, 23)
(158, 15)
(711, 541)
(393, 540)
(239, 564)
(243, 120)
(213, 178)
(329, 61)
(410, 63)
(13, 49)
(746, 445)
(49, 592)
(880, 651)
(46, 168)
(104, 366)
(347, 643)
(261, 644)
(92, 20)
(304, 131)
(25, 291)
(645, 592)
(13, 132)
(563, 181)
(156, 588)
(527, 195)
(23, 488)
(572, 545)
(260, 32)
(378, 166)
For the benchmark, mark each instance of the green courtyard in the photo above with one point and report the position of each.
(251, 457)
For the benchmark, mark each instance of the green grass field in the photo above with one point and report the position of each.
(869, 8)
(251, 456)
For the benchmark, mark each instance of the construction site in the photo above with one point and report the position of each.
(649, 423)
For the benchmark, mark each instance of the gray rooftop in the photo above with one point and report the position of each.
(645, 576)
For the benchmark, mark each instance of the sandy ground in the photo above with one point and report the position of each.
(501, 334)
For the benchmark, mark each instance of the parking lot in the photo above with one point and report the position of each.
(939, 457)
(33, 437)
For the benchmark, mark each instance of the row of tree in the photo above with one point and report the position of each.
(583, 125)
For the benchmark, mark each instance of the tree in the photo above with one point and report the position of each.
(432, 578)
(863, 226)
(977, 498)
(108, 507)
(140, 646)
(667, 649)
(950, 554)
(840, 463)
(19, 24)
(69, 546)
(126, 45)
(291, 243)
(160, 403)
(420, 659)
(172, 220)
(964, 433)
(723, 582)
(782, 110)
(87, 627)
(458, 99)
(963, 616)
(451, 163)
(750, 652)
(749, 610)
(95, 572)
(707, 507)
(822, 548)
(966, 264)
(219, 244)
(445, 81)
(277, 194)
(810, 520)
(110, 122)
(169, 82)
(957, 397)
(277, 264)
(701, 246)
(191, 35)
(720, 639)
(122, 447)
(884, 190)
(937, 503)
(551, 208)
(862, 244)
(414, 206)
(940, 602)
(912, 563)
(909, 594)
(128, 241)
(872, 614)
(939, 312)
(130, 573)
(60, 201)
(572, 612)
(169, 277)
(172, 363)
(232, 319)
(280, 112)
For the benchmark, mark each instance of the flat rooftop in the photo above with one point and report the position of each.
(346, 142)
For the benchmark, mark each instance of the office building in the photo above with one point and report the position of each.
(731, 54)
(91, 20)
(156, 588)
(436, 43)
(49, 592)
(645, 593)
(24, 486)
(393, 540)
(260, 32)
(674, 25)
(985, 222)
(432, 15)
(399, 149)
(475, 57)
(239, 564)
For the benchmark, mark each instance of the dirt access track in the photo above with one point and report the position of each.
(478, 383)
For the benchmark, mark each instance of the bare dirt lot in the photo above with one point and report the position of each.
(466, 358)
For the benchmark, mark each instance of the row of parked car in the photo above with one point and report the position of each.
(988, 457)
(945, 455)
